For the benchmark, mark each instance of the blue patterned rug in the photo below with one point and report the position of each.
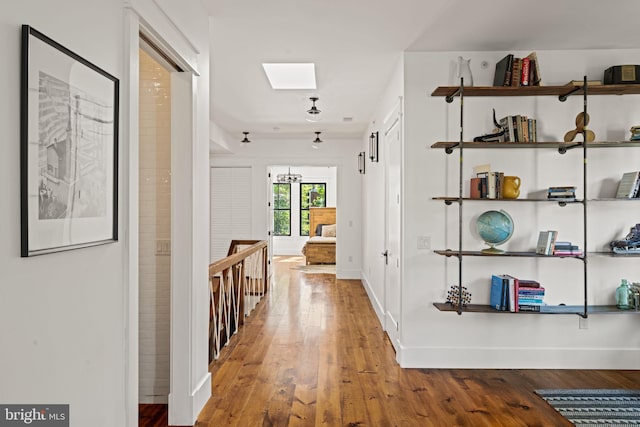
(591, 408)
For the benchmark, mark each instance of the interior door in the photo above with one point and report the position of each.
(393, 183)
(270, 223)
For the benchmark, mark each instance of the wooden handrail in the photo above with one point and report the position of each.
(227, 262)
(237, 283)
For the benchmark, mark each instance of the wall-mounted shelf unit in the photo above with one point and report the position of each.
(562, 92)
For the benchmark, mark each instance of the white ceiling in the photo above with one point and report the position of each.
(355, 45)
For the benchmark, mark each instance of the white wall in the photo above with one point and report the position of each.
(61, 315)
(292, 245)
(437, 339)
(259, 155)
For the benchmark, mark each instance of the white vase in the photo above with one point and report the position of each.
(464, 71)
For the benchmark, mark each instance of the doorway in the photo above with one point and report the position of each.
(393, 225)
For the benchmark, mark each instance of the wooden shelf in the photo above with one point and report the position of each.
(448, 91)
(545, 309)
(450, 252)
(449, 200)
(541, 144)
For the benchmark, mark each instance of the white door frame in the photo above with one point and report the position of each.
(190, 382)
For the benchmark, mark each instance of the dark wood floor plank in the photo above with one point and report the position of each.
(313, 353)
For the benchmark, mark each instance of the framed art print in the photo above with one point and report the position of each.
(69, 149)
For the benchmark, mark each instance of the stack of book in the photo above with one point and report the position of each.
(635, 133)
(566, 249)
(508, 293)
(562, 194)
(629, 186)
(512, 71)
(519, 128)
(546, 242)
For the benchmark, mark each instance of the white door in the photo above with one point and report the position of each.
(270, 223)
(392, 140)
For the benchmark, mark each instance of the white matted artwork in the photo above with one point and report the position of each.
(69, 149)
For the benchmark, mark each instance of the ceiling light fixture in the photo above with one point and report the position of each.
(245, 140)
(289, 178)
(313, 113)
(316, 141)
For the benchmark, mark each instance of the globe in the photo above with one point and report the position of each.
(495, 228)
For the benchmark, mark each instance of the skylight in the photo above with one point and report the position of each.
(291, 76)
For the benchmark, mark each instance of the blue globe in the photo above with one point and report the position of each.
(495, 228)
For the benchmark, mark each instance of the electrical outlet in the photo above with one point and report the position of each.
(424, 242)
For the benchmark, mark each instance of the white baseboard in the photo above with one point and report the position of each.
(184, 410)
(347, 274)
(521, 358)
(375, 302)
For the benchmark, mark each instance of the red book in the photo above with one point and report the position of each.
(524, 76)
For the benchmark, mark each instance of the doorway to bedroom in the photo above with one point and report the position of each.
(295, 192)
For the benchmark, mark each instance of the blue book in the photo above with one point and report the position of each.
(498, 295)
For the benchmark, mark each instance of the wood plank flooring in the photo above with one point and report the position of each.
(314, 354)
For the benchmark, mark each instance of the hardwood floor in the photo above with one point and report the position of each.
(313, 354)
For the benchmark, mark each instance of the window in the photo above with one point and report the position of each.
(311, 196)
(282, 209)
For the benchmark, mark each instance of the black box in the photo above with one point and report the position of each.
(622, 74)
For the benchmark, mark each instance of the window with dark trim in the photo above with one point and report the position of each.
(312, 195)
(282, 209)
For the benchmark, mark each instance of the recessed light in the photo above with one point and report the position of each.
(291, 75)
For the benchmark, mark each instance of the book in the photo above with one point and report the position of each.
(502, 75)
(526, 284)
(497, 294)
(544, 238)
(628, 186)
(514, 292)
(475, 188)
(516, 70)
(534, 69)
(524, 74)
(526, 307)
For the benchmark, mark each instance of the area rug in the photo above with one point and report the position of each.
(316, 268)
(597, 407)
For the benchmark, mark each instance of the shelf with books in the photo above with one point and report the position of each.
(525, 254)
(545, 309)
(562, 91)
(449, 200)
(449, 146)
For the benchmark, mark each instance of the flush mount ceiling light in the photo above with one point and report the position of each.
(316, 141)
(291, 76)
(313, 113)
(289, 178)
(245, 140)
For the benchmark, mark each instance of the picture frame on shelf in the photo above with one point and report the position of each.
(361, 162)
(373, 147)
(69, 149)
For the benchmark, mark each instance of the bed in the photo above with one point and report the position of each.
(321, 249)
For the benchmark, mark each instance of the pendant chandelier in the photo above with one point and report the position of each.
(289, 178)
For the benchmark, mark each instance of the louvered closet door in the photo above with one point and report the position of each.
(230, 208)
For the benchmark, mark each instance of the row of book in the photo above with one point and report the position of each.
(512, 71)
(518, 128)
(563, 194)
(487, 185)
(629, 186)
(508, 293)
(548, 244)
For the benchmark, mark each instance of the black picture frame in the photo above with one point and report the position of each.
(361, 162)
(69, 149)
(373, 147)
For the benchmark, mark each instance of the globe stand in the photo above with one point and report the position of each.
(491, 250)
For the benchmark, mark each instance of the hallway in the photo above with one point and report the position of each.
(313, 353)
